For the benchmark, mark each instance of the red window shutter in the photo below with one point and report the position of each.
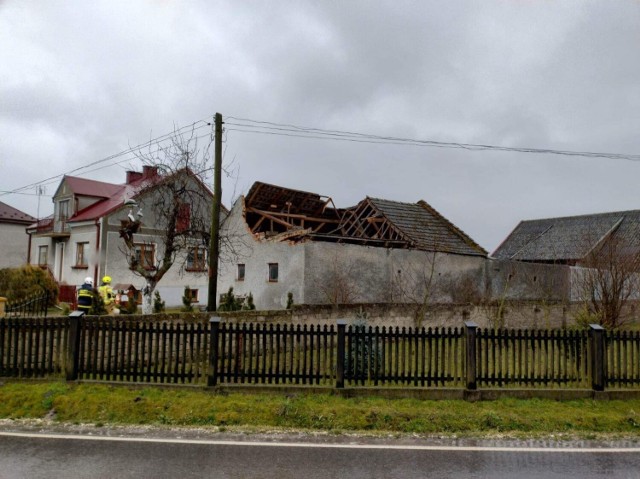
(184, 218)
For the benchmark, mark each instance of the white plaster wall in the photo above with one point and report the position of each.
(14, 245)
(80, 234)
(114, 263)
(35, 244)
(256, 256)
(172, 284)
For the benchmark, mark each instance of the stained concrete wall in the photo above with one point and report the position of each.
(522, 315)
(14, 245)
(515, 280)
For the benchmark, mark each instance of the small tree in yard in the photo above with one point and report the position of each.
(418, 283)
(229, 301)
(187, 305)
(158, 303)
(176, 205)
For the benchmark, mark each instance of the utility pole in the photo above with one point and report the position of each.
(214, 242)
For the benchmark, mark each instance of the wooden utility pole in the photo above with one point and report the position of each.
(214, 242)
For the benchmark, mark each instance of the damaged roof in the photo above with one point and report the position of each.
(569, 239)
(280, 213)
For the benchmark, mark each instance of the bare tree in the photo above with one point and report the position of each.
(609, 277)
(418, 283)
(338, 282)
(173, 218)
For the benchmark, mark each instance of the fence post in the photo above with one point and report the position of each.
(73, 344)
(342, 323)
(212, 378)
(470, 334)
(596, 333)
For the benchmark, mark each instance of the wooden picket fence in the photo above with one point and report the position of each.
(213, 352)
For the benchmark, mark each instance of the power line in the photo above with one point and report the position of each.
(25, 194)
(131, 150)
(283, 129)
(247, 125)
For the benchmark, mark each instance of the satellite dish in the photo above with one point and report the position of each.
(130, 202)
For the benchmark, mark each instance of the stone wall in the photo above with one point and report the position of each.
(516, 315)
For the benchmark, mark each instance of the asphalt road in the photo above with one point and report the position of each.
(28, 455)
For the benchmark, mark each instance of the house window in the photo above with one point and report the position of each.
(273, 272)
(81, 255)
(240, 272)
(192, 294)
(63, 210)
(197, 259)
(43, 255)
(183, 220)
(144, 255)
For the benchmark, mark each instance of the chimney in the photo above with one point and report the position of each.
(133, 176)
(149, 171)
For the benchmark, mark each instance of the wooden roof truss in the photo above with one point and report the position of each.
(366, 224)
(283, 214)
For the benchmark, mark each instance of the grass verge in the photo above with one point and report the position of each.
(121, 405)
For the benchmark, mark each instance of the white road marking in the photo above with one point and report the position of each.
(209, 442)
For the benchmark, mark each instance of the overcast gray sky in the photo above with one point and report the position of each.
(80, 81)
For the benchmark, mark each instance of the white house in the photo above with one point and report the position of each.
(84, 235)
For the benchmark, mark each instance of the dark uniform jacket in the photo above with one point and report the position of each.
(85, 298)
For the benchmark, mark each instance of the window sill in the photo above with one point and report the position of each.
(195, 270)
(80, 266)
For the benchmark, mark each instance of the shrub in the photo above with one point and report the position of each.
(364, 354)
(187, 305)
(229, 301)
(20, 283)
(289, 300)
(98, 308)
(129, 306)
(65, 309)
(158, 304)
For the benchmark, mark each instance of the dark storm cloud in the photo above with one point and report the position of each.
(81, 81)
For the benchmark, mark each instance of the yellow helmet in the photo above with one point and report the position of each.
(106, 279)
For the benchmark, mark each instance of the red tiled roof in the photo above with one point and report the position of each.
(85, 187)
(101, 208)
(9, 214)
(119, 193)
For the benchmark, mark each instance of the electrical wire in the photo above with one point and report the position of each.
(248, 125)
(132, 150)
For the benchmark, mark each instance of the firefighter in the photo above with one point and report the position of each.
(85, 296)
(107, 293)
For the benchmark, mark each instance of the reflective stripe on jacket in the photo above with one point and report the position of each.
(85, 297)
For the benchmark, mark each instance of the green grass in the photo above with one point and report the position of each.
(103, 405)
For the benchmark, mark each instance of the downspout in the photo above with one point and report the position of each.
(61, 268)
(95, 268)
(28, 247)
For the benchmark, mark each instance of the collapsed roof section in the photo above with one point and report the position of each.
(276, 213)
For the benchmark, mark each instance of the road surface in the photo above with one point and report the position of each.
(171, 455)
